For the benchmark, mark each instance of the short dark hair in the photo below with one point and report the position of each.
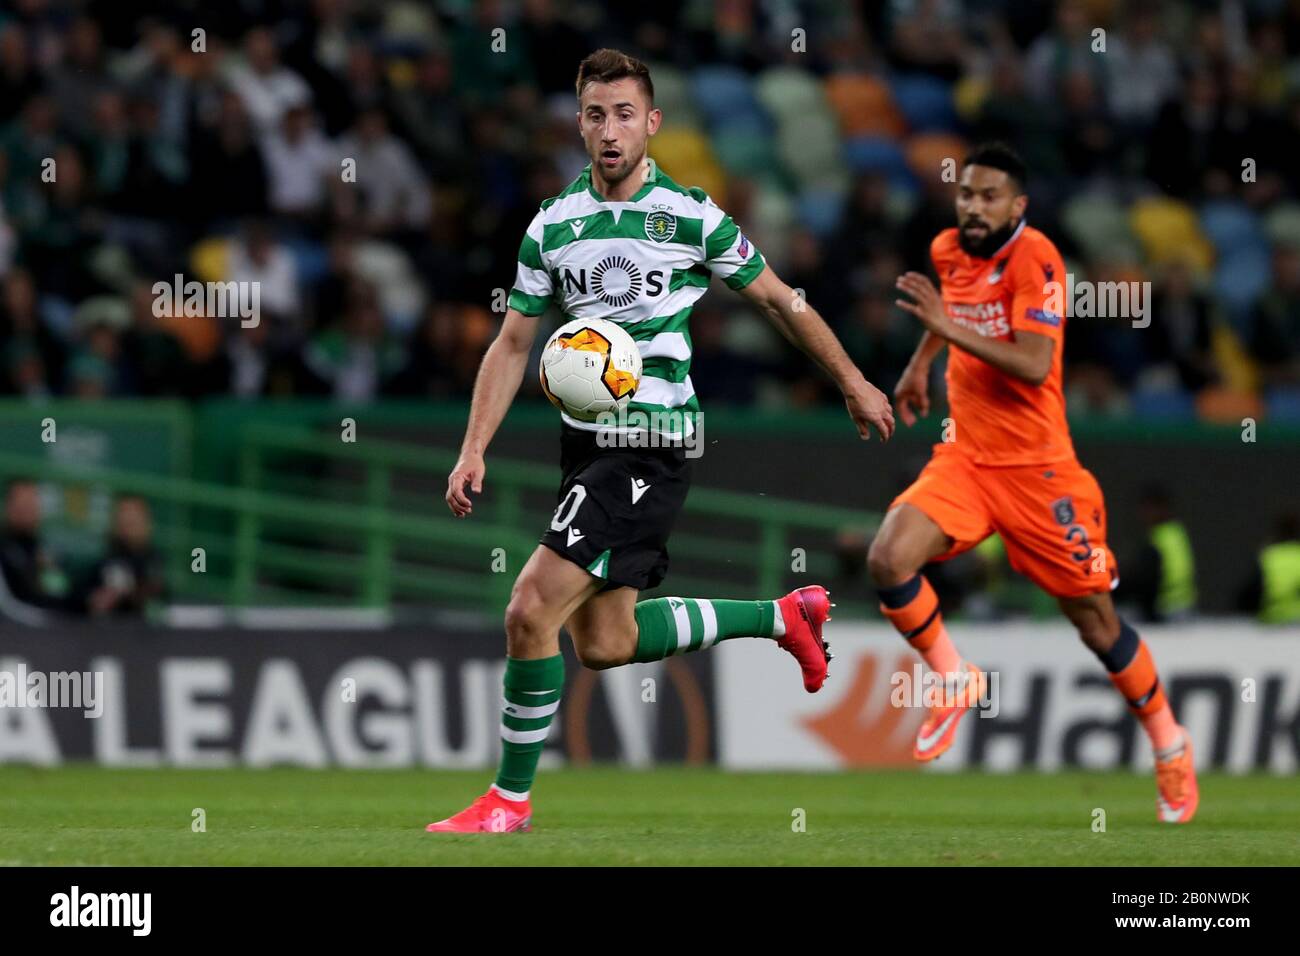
(996, 155)
(606, 66)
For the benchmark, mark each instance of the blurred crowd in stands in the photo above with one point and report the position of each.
(1161, 138)
(36, 582)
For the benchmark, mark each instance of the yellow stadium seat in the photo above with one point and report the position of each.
(1168, 231)
(210, 259)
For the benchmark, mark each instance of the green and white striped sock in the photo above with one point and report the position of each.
(674, 625)
(531, 695)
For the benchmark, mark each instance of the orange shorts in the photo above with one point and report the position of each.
(1052, 518)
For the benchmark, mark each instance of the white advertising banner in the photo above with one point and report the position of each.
(1235, 686)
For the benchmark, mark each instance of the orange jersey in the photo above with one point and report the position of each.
(1001, 420)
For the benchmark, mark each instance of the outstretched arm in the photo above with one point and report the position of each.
(498, 380)
(802, 326)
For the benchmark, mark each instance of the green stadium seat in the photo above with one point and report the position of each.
(809, 147)
(1100, 226)
(1282, 225)
(786, 92)
(673, 96)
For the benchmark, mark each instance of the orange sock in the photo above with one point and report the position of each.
(1133, 672)
(913, 609)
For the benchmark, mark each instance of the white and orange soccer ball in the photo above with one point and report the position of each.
(590, 367)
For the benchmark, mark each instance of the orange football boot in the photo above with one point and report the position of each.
(1177, 795)
(940, 726)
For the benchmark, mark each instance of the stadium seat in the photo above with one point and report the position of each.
(1233, 359)
(926, 153)
(1100, 226)
(785, 91)
(925, 102)
(1282, 225)
(1241, 277)
(1164, 405)
(864, 106)
(1243, 270)
(310, 257)
(809, 147)
(673, 95)
(724, 94)
(1168, 230)
(688, 158)
(209, 258)
(744, 148)
(874, 154)
(771, 218)
(819, 211)
(969, 95)
(1232, 226)
(1284, 404)
(1228, 405)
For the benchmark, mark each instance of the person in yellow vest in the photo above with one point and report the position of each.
(1273, 593)
(1162, 578)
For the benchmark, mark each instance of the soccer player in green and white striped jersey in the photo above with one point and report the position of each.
(624, 242)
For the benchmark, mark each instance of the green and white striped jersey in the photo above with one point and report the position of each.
(642, 263)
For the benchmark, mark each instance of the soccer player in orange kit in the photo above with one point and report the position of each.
(1008, 465)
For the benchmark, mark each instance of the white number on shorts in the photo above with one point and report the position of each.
(568, 508)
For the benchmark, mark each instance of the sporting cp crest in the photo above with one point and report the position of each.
(660, 226)
(1063, 508)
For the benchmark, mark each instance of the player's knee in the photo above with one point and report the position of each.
(525, 616)
(887, 564)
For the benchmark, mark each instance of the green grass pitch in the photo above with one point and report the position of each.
(86, 815)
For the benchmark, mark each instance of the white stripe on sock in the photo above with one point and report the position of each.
(683, 622)
(710, 619)
(526, 712)
(511, 794)
(778, 620)
(523, 736)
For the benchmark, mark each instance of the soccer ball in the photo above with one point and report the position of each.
(590, 367)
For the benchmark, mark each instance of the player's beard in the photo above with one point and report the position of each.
(991, 243)
(612, 177)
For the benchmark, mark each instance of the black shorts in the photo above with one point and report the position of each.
(616, 508)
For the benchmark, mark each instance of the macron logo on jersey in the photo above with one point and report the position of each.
(577, 225)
